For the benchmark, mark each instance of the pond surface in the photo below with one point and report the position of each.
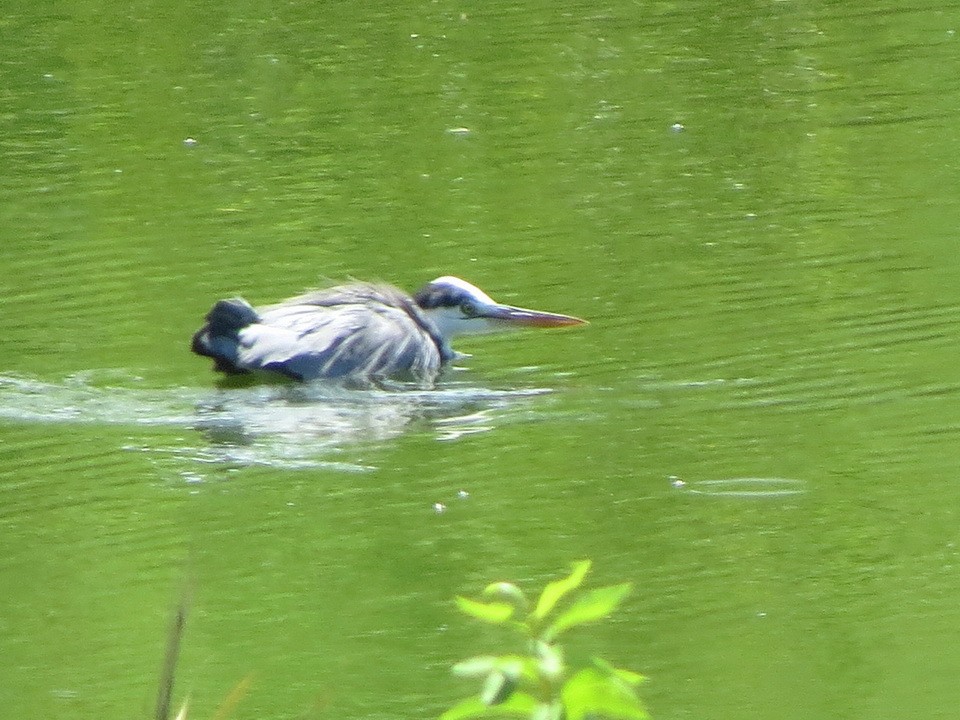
(754, 205)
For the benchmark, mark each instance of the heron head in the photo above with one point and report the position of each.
(458, 308)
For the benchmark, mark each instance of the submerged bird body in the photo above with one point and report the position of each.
(359, 332)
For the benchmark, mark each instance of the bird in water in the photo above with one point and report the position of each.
(359, 333)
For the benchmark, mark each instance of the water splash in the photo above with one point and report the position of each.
(292, 427)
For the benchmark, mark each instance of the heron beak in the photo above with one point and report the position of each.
(528, 318)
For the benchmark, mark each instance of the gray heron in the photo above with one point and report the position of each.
(358, 332)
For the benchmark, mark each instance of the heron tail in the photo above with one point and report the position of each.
(228, 316)
(217, 339)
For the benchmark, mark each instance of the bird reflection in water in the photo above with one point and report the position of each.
(314, 426)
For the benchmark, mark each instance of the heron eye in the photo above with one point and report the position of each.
(468, 308)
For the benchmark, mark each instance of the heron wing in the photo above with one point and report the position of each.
(308, 341)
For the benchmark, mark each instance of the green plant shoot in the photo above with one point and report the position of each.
(537, 684)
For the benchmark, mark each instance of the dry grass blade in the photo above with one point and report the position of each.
(165, 691)
(182, 715)
(233, 698)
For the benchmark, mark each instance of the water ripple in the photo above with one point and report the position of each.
(746, 487)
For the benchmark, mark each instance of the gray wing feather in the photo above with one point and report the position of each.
(309, 341)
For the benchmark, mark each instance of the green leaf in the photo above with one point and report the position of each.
(516, 667)
(520, 705)
(589, 607)
(630, 678)
(555, 590)
(476, 666)
(591, 692)
(497, 688)
(493, 612)
(548, 711)
(549, 661)
(507, 591)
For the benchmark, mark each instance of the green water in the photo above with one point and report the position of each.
(755, 206)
